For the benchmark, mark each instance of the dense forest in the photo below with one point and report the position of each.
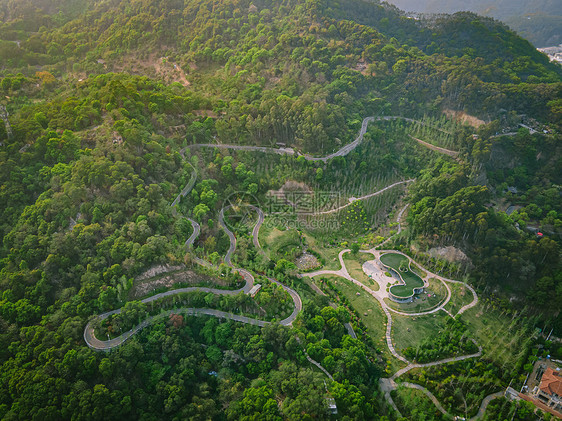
(536, 20)
(106, 109)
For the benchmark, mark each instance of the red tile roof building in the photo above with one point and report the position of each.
(550, 389)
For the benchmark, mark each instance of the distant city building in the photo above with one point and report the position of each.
(553, 53)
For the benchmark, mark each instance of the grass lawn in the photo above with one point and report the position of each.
(278, 243)
(393, 259)
(371, 314)
(418, 270)
(421, 327)
(415, 405)
(354, 265)
(502, 336)
(422, 302)
(329, 254)
(412, 280)
(460, 296)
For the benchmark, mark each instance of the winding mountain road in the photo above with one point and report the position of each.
(345, 150)
(343, 271)
(256, 230)
(196, 231)
(99, 345)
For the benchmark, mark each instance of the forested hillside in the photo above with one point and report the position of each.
(108, 110)
(539, 21)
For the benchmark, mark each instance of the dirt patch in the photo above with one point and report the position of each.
(153, 66)
(449, 253)
(142, 287)
(464, 118)
(293, 193)
(307, 261)
(157, 270)
(205, 113)
(163, 66)
(362, 67)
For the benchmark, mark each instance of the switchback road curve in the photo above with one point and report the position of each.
(101, 345)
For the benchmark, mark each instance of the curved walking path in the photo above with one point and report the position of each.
(290, 151)
(317, 364)
(256, 230)
(184, 192)
(347, 148)
(345, 274)
(188, 187)
(452, 154)
(485, 402)
(398, 219)
(353, 199)
(481, 410)
(387, 385)
(347, 325)
(99, 345)
(314, 362)
(429, 395)
(411, 366)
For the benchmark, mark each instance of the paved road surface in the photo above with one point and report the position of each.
(364, 197)
(232, 247)
(265, 149)
(347, 148)
(398, 219)
(256, 230)
(317, 364)
(348, 326)
(97, 344)
(344, 274)
(196, 231)
(429, 395)
(411, 366)
(290, 151)
(485, 402)
(188, 187)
